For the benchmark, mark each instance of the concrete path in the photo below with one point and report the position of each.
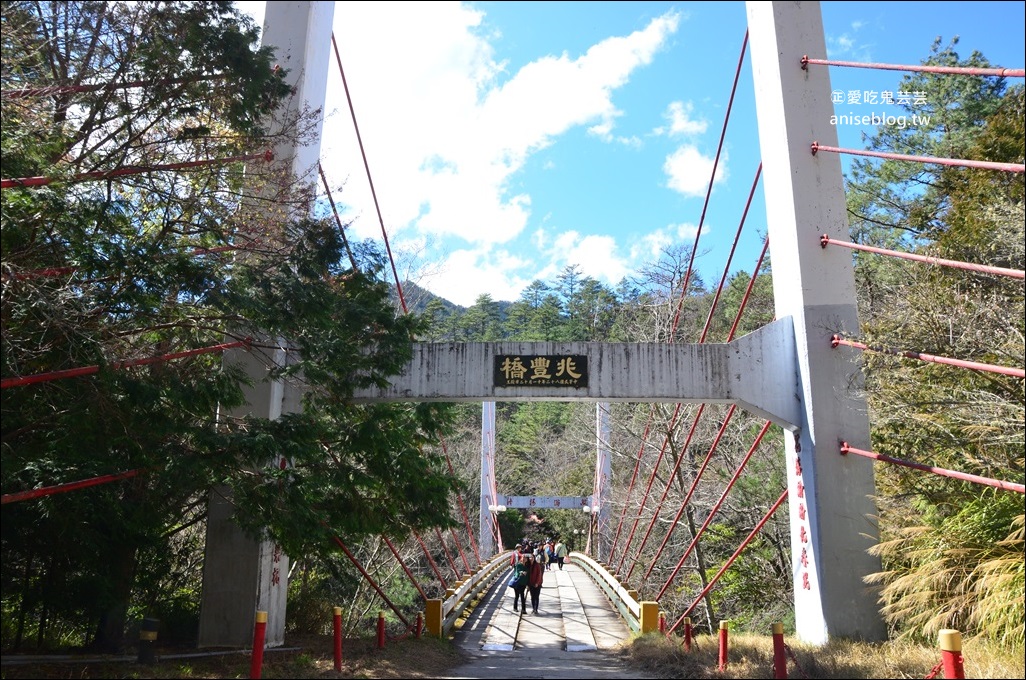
(574, 635)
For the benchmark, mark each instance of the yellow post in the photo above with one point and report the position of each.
(950, 642)
(433, 616)
(649, 616)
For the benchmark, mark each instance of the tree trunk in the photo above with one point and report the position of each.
(44, 611)
(710, 615)
(26, 601)
(110, 628)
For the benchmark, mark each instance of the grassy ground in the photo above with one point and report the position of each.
(410, 658)
(749, 657)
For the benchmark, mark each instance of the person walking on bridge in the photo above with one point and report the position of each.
(518, 582)
(535, 577)
(561, 553)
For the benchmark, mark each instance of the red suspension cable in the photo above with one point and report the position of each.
(694, 482)
(950, 70)
(370, 180)
(67, 271)
(463, 508)
(395, 273)
(42, 273)
(730, 256)
(954, 474)
(131, 170)
(708, 193)
(954, 162)
(698, 415)
(669, 478)
(402, 564)
(976, 366)
(748, 289)
(89, 370)
(64, 488)
(687, 275)
(338, 220)
(644, 497)
(448, 555)
(497, 532)
(714, 510)
(73, 89)
(630, 487)
(459, 548)
(431, 561)
(730, 561)
(825, 240)
(367, 577)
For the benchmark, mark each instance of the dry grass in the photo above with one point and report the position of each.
(750, 656)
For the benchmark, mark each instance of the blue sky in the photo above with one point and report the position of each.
(508, 140)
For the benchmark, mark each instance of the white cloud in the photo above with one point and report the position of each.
(679, 115)
(597, 256)
(443, 136)
(651, 246)
(687, 231)
(446, 126)
(847, 45)
(467, 274)
(688, 171)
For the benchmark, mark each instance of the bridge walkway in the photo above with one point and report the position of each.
(576, 633)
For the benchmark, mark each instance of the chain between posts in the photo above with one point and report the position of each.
(790, 653)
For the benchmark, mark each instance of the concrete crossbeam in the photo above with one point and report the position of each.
(757, 372)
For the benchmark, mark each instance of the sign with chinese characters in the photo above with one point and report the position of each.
(803, 532)
(276, 556)
(561, 502)
(541, 370)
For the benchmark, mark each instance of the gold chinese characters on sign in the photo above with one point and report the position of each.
(541, 370)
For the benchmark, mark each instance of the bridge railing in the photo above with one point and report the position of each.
(640, 616)
(441, 614)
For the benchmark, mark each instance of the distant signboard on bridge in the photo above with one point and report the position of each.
(541, 370)
(558, 502)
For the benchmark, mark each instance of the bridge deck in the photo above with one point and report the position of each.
(573, 635)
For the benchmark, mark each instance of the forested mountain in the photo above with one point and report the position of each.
(418, 300)
(94, 275)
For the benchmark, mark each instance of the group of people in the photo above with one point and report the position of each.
(530, 561)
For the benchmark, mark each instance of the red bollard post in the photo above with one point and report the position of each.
(687, 633)
(779, 654)
(723, 645)
(259, 631)
(420, 624)
(381, 630)
(950, 642)
(338, 638)
(662, 622)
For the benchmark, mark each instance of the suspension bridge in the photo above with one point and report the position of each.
(799, 373)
